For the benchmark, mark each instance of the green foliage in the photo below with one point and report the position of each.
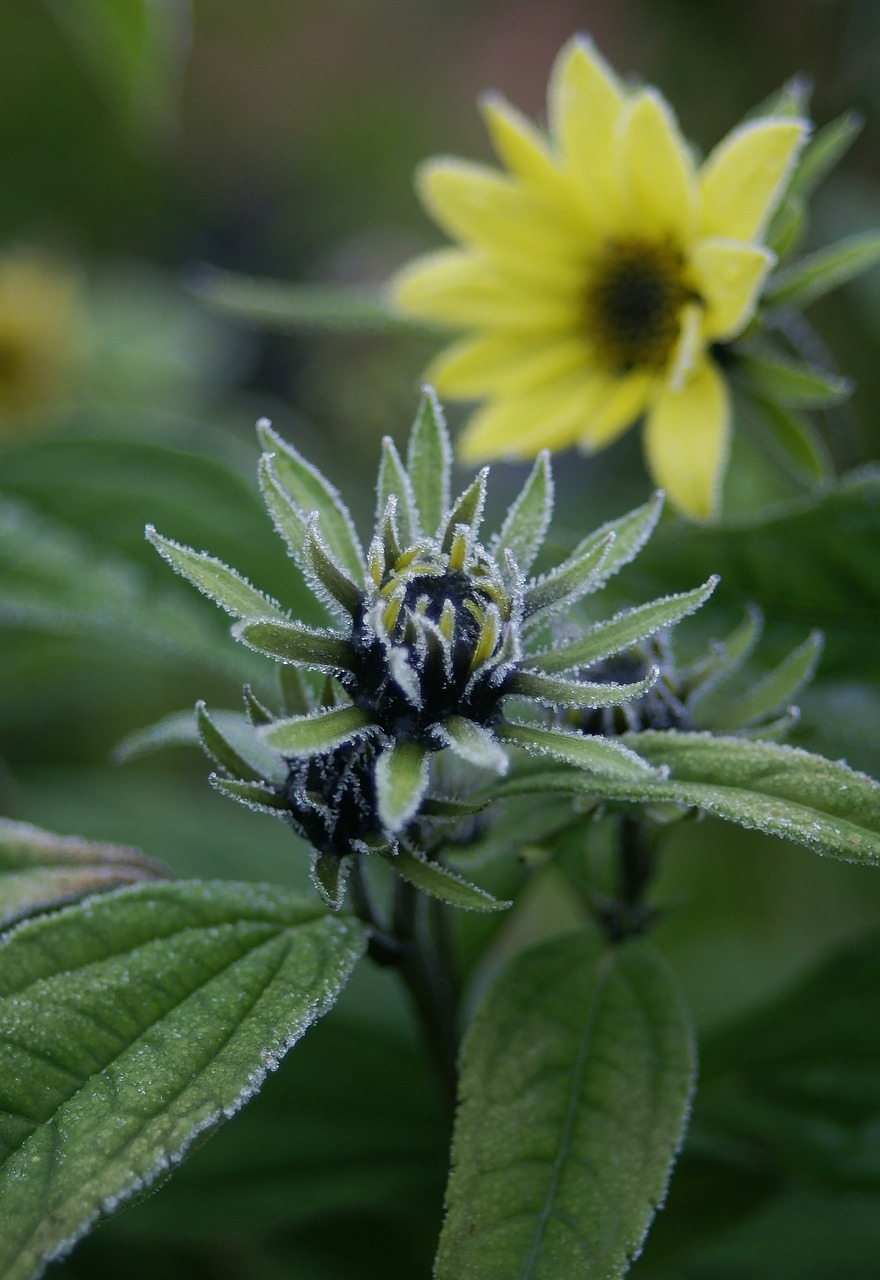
(576, 1077)
(136, 1022)
(39, 870)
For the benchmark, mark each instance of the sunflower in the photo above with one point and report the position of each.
(599, 277)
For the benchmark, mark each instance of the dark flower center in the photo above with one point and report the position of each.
(662, 707)
(444, 660)
(332, 797)
(633, 304)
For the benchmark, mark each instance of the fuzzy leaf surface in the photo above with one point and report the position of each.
(576, 1078)
(132, 1023)
(429, 459)
(818, 273)
(444, 884)
(39, 870)
(765, 786)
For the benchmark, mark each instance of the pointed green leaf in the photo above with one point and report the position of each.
(442, 883)
(604, 755)
(254, 709)
(290, 522)
(253, 795)
(39, 870)
(309, 491)
(726, 656)
(281, 307)
(526, 522)
(576, 1078)
(296, 696)
(474, 744)
(176, 730)
(823, 151)
(236, 746)
(393, 480)
(776, 689)
(818, 273)
(764, 786)
(428, 461)
(789, 382)
(304, 735)
(467, 512)
(329, 876)
(577, 693)
(786, 228)
(134, 1023)
(293, 642)
(595, 559)
(793, 437)
(401, 781)
(622, 631)
(215, 579)
(335, 586)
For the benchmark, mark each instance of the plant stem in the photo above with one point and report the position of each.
(406, 944)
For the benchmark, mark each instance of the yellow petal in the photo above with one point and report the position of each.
(728, 276)
(688, 348)
(504, 364)
(484, 207)
(622, 401)
(745, 175)
(584, 103)
(686, 441)
(467, 290)
(519, 145)
(655, 169)
(521, 426)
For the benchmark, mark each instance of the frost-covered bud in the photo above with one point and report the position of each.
(439, 643)
(707, 694)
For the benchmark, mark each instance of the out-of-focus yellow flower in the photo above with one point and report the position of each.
(40, 335)
(595, 277)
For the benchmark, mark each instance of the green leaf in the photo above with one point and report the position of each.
(401, 781)
(39, 870)
(215, 579)
(135, 51)
(620, 632)
(799, 1079)
(393, 481)
(319, 1140)
(789, 382)
(179, 729)
(818, 273)
(793, 437)
(300, 308)
(54, 579)
(428, 461)
(468, 511)
(586, 751)
(577, 693)
(811, 562)
(293, 642)
(258, 796)
(576, 1078)
(235, 745)
(442, 883)
(309, 491)
(596, 558)
(526, 522)
(474, 744)
(335, 587)
(304, 735)
(135, 1023)
(775, 691)
(786, 228)
(765, 786)
(726, 657)
(824, 150)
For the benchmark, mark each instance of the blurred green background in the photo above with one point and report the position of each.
(143, 139)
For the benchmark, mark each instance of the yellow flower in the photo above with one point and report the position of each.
(39, 335)
(596, 276)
